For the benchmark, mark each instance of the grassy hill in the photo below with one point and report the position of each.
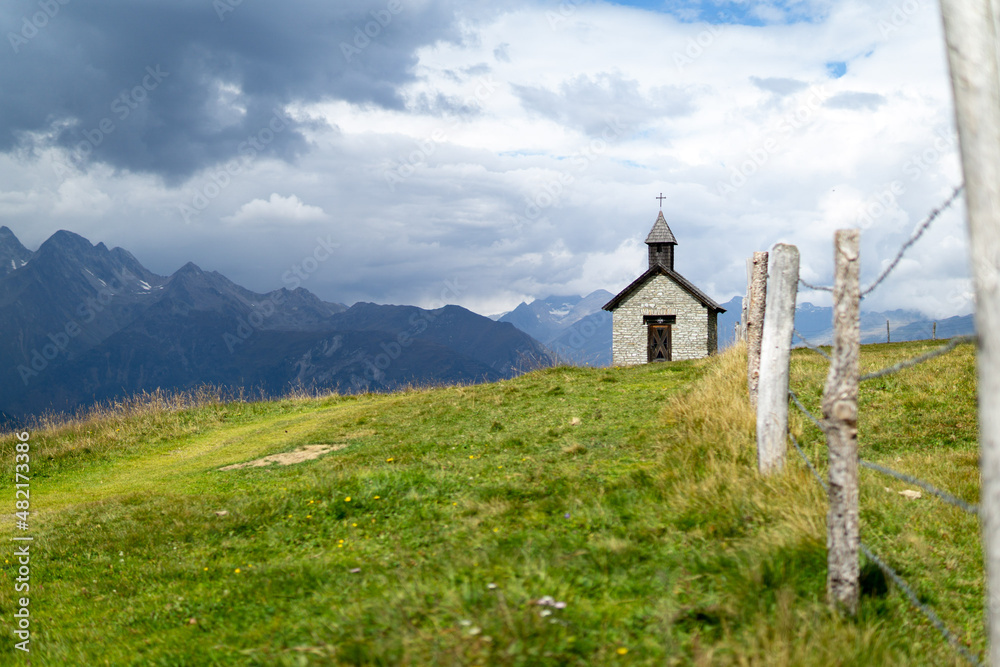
(569, 516)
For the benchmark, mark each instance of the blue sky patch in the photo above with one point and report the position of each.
(836, 69)
(779, 12)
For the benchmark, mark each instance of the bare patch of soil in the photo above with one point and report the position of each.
(303, 453)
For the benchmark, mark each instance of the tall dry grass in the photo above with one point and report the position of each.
(713, 429)
(120, 424)
(767, 534)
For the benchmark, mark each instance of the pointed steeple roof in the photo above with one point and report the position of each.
(660, 233)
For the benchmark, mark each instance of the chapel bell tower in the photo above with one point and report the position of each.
(661, 244)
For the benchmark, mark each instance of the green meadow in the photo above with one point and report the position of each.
(567, 517)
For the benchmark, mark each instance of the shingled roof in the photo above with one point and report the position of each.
(660, 233)
(683, 282)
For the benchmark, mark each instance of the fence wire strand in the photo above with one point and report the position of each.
(805, 410)
(926, 486)
(917, 233)
(808, 463)
(817, 288)
(921, 228)
(909, 363)
(814, 348)
(898, 580)
(927, 356)
(927, 611)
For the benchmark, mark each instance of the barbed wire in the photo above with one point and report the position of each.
(921, 228)
(898, 580)
(814, 348)
(805, 410)
(813, 332)
(918, 232)
(927, 611)
(808, 462)
(817, 288)
(909, 363)
(926, 486)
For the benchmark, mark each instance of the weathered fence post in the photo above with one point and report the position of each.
(888, 338)
(775, 354)
(840, 412)
(934, 331)
(745, 305)
(755, 322)
(743, 318)
(970, 33)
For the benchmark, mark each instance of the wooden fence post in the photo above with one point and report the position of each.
(840, 410)
(934, 331)
(775, 354)
(970, 33)
(755, 322)
(745, 315)
(888, 337)
(743, 318)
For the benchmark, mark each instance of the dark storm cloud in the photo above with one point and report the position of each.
(170, 86)
(589, 103)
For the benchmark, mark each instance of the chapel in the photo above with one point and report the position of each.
(661, 316)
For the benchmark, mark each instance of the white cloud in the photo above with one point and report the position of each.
(856, 100)
(277, 209)
(522, 196)
(18, 203)
(81, 197)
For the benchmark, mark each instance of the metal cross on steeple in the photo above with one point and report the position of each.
(661, 198)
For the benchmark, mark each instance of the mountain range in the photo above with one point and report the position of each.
(574, 328)
(815, 323)
(81, 323)
(578, 332)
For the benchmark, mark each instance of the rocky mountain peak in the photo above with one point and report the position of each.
(13, 255)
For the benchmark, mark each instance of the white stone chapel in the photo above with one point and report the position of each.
(661, 316)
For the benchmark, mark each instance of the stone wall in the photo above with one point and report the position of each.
(694, 334)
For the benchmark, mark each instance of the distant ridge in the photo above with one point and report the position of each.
(81, 323)
(816, 324)
(574, 328)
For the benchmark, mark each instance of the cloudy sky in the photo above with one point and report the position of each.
(486, 153)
